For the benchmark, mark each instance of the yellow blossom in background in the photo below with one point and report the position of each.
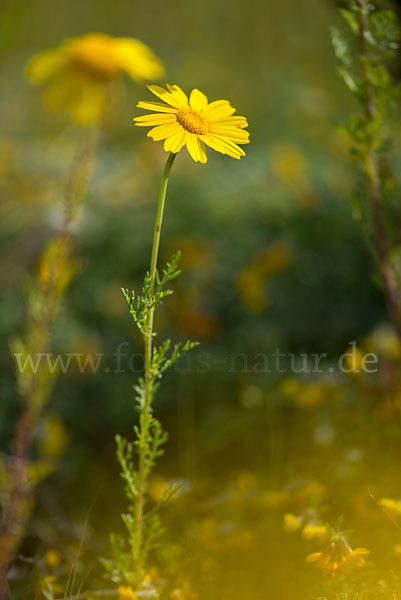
(54, 438)
(338, 559)
(252, 280)
(353, 361)
(78, 72)
(151, 576)
(291, 169)
(276, 258)
(385, 341)
(391, 506)
(312, 395)
(196, 253)
(272, 500)
(315, 532)
(52, 558)
(292, 523)
(126, 593)
(245, 483)
(193, 122)
(289, 164)
(290, 387)
(251, 287)
(158, 487)
(311, 492)
(49, 587)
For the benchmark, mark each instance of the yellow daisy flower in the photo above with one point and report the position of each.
(193, 122)
(79, 71)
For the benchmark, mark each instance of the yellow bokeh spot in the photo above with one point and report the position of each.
(315, 532)
(126, 593)
(391, 506)
(52, 558)
(291, 522)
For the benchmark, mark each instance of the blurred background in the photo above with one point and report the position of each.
(272, 258)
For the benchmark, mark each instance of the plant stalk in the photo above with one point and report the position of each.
(374, 187)
(148, 339)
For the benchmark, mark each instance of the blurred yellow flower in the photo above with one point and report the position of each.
(151, 576)
(291, 522)
(338, 559)
(385, 341)
(126, 593)
(289, 164)
(290, 387)
(276, 258)
(158, 487)
(251, 287)
(78, 72)
(316, 532)
(353, 361)
(193, 122)
(392, 506)
(272, 500)
(52, 558)
(55, 436)
(311, 492)
(312, 395)
(49, 587)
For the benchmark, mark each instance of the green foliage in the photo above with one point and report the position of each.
(363, 65)
(138, 458)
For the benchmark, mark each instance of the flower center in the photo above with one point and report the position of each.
(192, 121)
(95, 54)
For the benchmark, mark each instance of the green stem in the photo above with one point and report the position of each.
(148, 338)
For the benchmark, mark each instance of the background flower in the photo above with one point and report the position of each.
(78, 72)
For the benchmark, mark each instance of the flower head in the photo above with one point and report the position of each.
(78, 72)
(292, 523)
(193, 122)
(338, 558)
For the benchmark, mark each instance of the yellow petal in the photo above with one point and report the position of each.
(166, 96)
(313, 557)
(44, 65)
(219, 110)
(64, 91)
(161, 132)
(158, 106)
(175, 142)
(197, 100)
(91, 106)
(154, 119)
(231, 133)
(223, 146)
(234, 121)
(137, 59)
(196, 147)
(176, 91)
